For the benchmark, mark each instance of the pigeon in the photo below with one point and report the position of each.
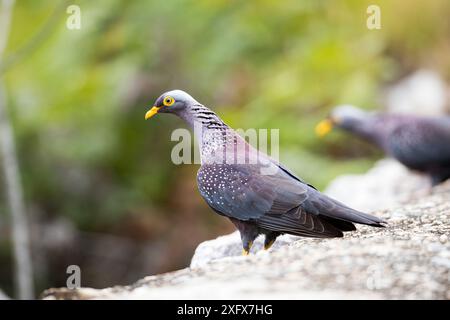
(420, 143)
(257, 193)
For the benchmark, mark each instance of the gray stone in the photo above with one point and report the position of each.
(231, 245)
(406, 260)
(3, 296)
(424, 93)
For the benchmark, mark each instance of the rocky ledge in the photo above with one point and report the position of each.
(410, 259)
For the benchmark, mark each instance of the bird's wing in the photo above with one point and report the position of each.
(245, 193)
(290, 173)
(422, 144)
(279, 202)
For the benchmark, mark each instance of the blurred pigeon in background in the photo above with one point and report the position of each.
(420, 143)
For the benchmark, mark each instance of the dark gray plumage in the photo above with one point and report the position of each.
(420, 143)
(255, 201)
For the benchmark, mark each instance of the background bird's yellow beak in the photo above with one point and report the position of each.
(324, 127)
(150, 113)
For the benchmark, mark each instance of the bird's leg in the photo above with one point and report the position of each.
(270, 239)
(248, 235)
(439, 177)
(246, 247)
(267, 245)
(248, 232)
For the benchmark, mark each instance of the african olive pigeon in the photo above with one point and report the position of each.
(420, 143)
(257, 193)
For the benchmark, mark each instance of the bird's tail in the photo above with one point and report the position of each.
(333, 209)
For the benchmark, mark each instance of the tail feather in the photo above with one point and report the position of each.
(350, 215)
(340, 224)
(335, 210)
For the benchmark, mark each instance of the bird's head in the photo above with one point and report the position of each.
(346, 117)
(175, 101)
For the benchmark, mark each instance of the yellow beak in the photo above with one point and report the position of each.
(324, 127)
(150, 113)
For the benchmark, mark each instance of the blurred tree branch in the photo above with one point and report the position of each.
(32, 44)
(22, 256)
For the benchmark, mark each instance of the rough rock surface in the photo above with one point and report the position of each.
(3, 296)
(229, 246)
(408, 260)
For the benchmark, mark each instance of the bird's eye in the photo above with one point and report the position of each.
(168, 101)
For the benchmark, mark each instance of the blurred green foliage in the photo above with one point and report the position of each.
(79, 98)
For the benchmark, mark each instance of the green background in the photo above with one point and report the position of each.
(100, 188)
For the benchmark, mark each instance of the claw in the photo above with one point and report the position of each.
(245, 251)
(268, 245)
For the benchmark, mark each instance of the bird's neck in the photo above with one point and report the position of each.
(365, 128)
(378, 128)
(212, 134)
(199, 116)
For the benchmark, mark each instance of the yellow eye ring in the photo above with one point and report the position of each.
(168, 101)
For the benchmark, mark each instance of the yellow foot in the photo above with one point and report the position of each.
(246, 252)
(267, 246)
